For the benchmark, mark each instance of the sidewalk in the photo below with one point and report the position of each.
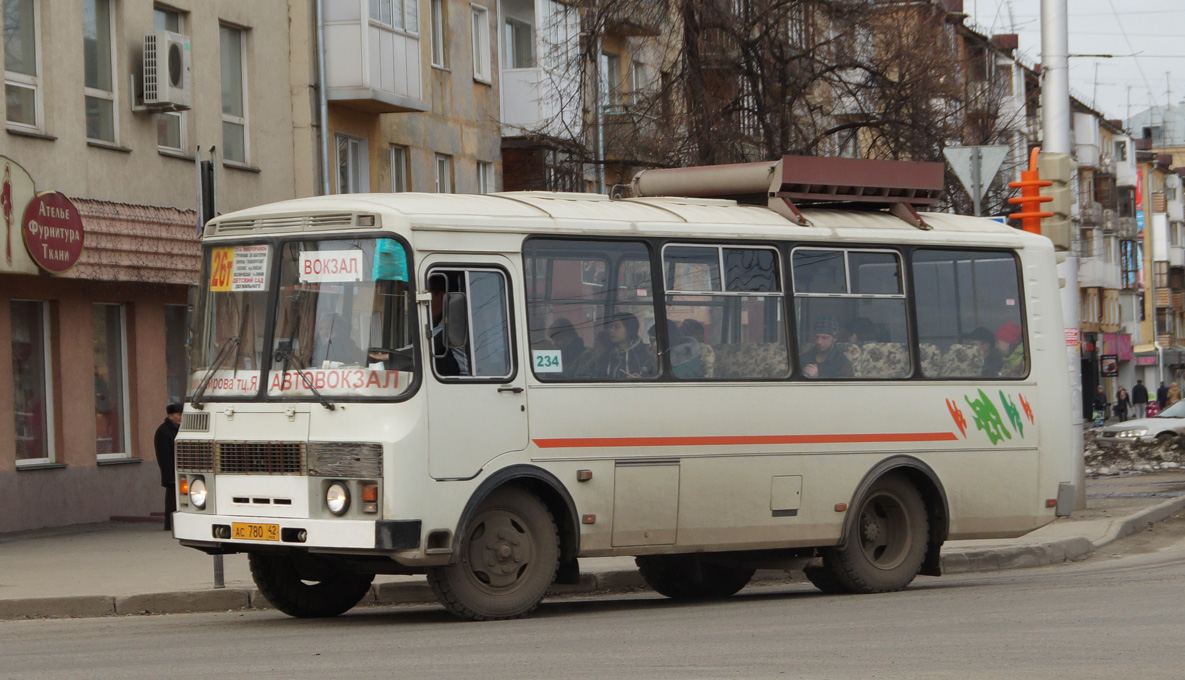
(135, 568)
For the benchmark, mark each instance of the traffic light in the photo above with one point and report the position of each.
(1030, 199)
(1058, 168)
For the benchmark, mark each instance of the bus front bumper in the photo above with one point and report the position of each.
(229, 534)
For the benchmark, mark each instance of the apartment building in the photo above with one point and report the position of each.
(412, 95)
(94, 276)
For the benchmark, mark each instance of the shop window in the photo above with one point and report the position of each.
(32, 391)
(176, 352)
(111, 381)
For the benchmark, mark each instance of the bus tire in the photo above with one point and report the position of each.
(509, 554)
(822, 578)
(307, 589)
(687, 577)
(886, 542)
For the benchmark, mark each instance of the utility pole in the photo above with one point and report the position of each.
(1056, 165)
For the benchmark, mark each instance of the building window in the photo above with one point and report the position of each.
(170, 125)
(396, 14)
(1121, 150)
(176, 352)
(485, 177)
(235, 139)
(99, 85)
(439, 51)
(111, 382)
(32, 388)
(400, 177)
(22, 52)
(610, 79)
(444, 174)
(481, 43)
(353, 166)
(519, 44)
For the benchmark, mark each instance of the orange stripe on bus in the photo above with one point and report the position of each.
(745, 440)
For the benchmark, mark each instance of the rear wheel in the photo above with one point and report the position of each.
(307, 587)
(508, 558)
(689, 577)
(886, 542)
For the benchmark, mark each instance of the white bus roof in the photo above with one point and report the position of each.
(545, 212)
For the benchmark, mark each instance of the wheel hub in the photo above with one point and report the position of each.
(499, 549)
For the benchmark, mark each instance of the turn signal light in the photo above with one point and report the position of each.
(370, 492)
(1051, 502)
(183, 486)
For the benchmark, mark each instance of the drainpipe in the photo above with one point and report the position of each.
(322, 98)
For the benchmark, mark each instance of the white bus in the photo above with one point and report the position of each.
(485, 388)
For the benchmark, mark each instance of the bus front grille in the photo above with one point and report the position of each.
(195, 455)
(263, 458)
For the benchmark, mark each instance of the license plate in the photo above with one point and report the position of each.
(255, 532)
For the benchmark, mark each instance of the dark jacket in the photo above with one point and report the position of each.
(166, 435)
(1162, 395)
(1139, 394)
(836, 365)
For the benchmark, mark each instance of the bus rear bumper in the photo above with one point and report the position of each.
(214, 533)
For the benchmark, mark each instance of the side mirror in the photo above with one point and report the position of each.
(456, 320)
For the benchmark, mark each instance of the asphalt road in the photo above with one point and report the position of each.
(1118, 615)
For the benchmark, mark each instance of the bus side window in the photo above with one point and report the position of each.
(483, 350)
(725, 317)
(589, 305)
(969, 314)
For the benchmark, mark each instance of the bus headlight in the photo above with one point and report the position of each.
(197, 493)
(337, 498)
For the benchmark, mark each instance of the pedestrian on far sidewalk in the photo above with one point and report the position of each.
(1122, 404)
(1162, 395)
(1174, 395)
(164, 440)
(1140, 399)
(1100, 407)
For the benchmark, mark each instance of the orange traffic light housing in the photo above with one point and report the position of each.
(1030, 198)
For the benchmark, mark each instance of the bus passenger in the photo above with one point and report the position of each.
(334, 344)
(631, 358)
(985, 340)
(707, 356)
(825, 359)
(592, 364)
(1012, 352)
(684, 352)
(564, 337)
(861, 330)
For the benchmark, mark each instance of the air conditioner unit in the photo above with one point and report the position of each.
(166, 71)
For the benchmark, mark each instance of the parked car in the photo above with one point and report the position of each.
(1166, 425)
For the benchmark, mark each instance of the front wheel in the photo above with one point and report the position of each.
(689, 577)
(307, 587)
(509, 553)
(885, 544)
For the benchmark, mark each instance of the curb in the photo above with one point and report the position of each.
(385, 594)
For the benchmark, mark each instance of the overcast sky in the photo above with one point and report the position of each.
(1152, 30)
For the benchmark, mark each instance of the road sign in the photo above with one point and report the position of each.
(975, 166)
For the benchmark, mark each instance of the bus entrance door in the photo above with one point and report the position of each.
(476, 392)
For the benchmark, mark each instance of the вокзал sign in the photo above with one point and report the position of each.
(53, 232)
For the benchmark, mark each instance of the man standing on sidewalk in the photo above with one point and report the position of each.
(1162, 395)
(1140, 399)
(165, 437)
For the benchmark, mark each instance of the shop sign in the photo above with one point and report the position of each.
(1110, 364)
(16, 190)
(1146, 361)
(53, 232)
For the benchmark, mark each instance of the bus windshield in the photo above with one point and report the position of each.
(342, 324)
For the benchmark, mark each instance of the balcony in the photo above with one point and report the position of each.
(627, 132)
(370, 66)
(1164, 297)
(1091, 213)
(633, 20)
(1126, 226)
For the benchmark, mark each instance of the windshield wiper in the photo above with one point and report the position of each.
(284, 354)
(223, 353)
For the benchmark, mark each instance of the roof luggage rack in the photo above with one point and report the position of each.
(794, 181)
